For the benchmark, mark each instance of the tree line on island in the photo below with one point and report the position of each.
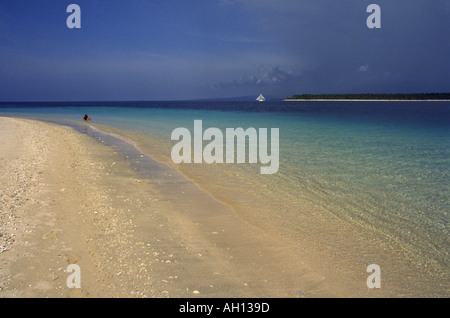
(418, 96)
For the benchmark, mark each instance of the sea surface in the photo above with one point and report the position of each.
(367, 179)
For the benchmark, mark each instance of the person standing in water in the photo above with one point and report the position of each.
(86, 117)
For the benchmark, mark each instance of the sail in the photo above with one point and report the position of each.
(261, 98)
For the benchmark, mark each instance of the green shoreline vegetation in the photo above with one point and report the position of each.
(418, 96)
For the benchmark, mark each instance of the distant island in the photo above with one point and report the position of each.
(418, 96)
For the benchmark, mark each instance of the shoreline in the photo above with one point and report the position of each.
(82, 204)
(180, 238)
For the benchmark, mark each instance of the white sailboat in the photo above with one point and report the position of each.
(261, 98)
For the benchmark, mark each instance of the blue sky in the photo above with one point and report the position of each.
(164, 50)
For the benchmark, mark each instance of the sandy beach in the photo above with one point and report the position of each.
(67, 199)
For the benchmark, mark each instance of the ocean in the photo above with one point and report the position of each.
(361, 181)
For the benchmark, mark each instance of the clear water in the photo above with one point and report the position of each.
(371, 178)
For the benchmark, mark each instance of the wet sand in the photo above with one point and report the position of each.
(68, 199)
